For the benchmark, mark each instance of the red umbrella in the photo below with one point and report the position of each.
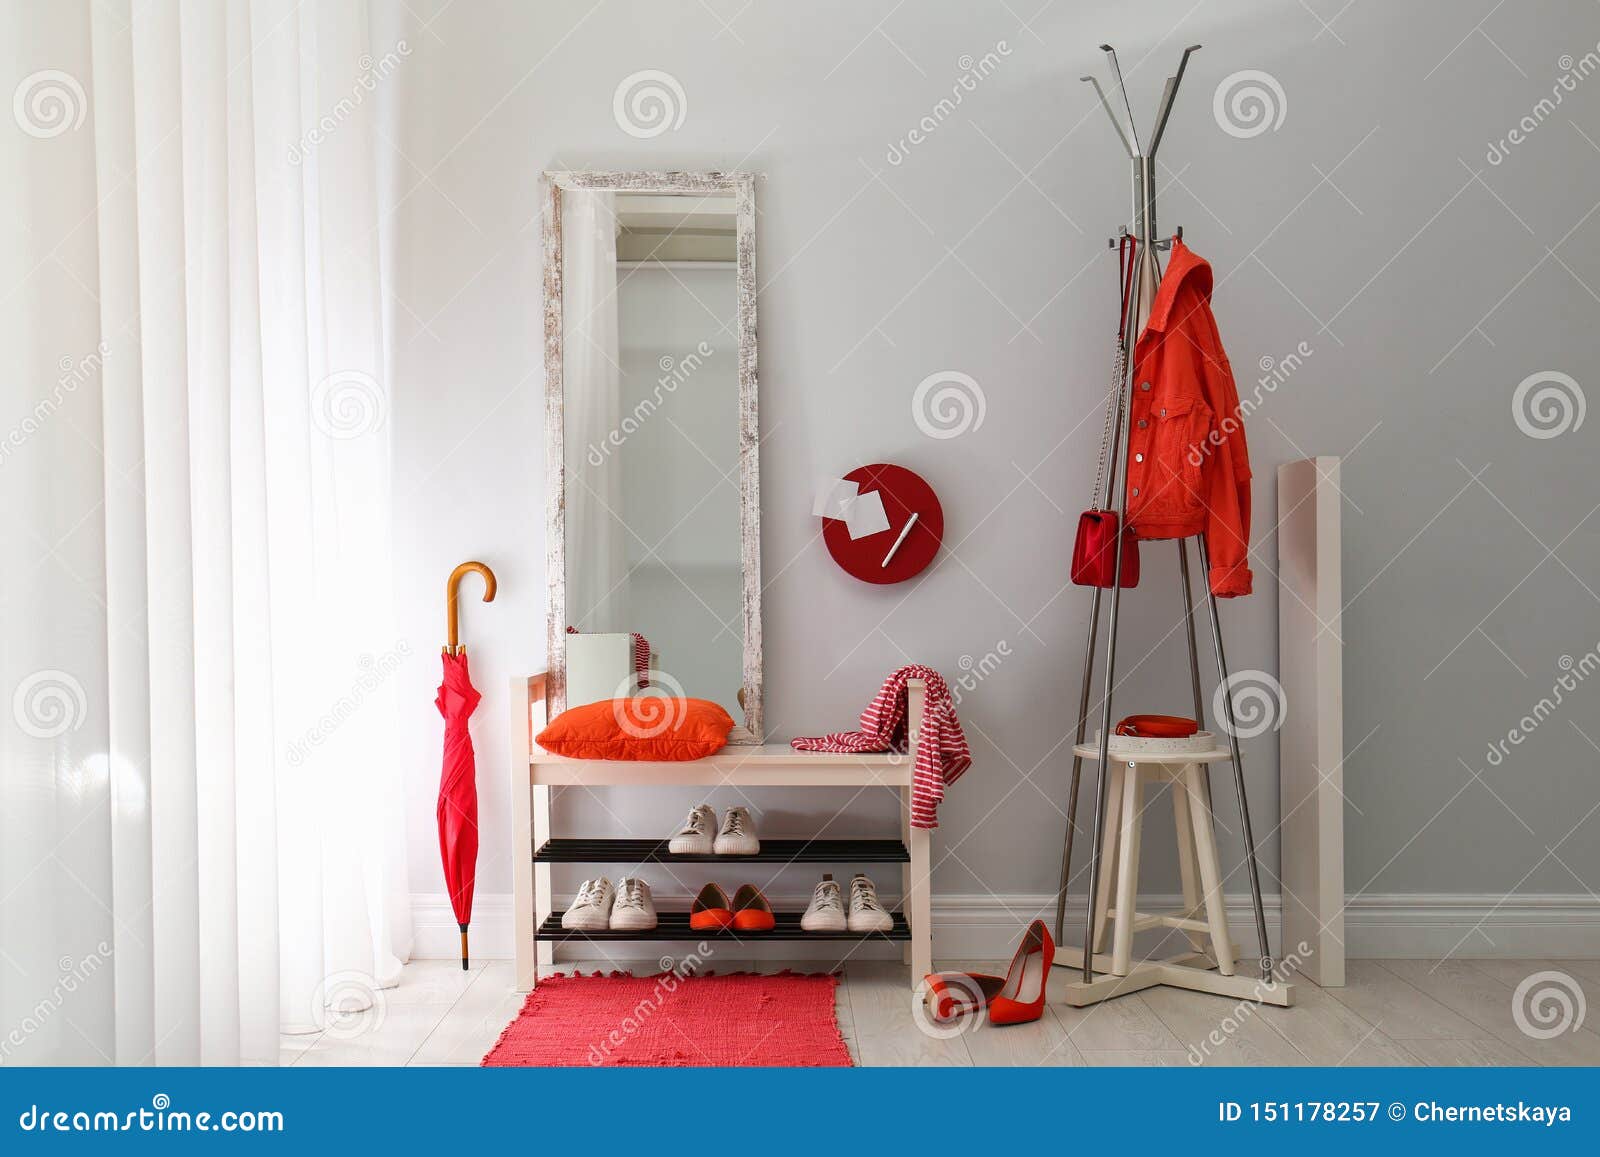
(458, 786)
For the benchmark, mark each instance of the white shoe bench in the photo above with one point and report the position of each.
(535, 772)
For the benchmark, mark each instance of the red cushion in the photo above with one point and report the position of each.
(643, 727)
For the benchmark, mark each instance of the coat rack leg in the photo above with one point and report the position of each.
(1117, 497)
(1232, 729)
(1103, 770)
(1118, 468)
(1188, 628)
(1077, 770)
(1187, 863)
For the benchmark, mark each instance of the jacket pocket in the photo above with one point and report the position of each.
(1177, 455)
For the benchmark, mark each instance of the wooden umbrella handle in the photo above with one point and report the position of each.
(452, 593)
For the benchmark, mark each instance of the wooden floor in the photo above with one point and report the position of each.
(1393, 1012)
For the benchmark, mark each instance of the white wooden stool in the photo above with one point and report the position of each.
(1208, 966)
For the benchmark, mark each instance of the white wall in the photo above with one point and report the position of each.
(1426, 282)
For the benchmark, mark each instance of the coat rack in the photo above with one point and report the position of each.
(1144, 230)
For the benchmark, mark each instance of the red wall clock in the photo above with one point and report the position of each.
(916, 526)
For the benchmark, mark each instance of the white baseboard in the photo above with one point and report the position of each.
(435, 936)
(1428, 925)
(972, 926)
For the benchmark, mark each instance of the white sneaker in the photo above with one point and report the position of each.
(826, 913)
(866, 913)
(738, 834)
(635, 909)
(695, 837)
(591, 911)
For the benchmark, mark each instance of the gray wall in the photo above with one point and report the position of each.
(1426, 282)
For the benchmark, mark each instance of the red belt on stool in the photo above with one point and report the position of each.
(1158, 726)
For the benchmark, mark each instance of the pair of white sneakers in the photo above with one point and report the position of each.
(831, 912)
(700, 835)
(628, 907)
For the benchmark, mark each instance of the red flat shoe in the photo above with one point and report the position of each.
(751, 912)
(1022, 999)
(710, 911)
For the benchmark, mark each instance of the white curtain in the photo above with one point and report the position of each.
(200, 844)
(597, 561)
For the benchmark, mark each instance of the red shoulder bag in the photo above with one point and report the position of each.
(1094, 558)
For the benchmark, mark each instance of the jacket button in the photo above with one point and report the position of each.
(1163, 411)
(1143, 422)
(1144, 385)
(1138, 457)
(1136, 492)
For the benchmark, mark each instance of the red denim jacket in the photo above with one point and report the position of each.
(1188, 468)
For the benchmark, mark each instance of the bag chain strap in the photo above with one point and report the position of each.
(1125, 275)
(1113, 398)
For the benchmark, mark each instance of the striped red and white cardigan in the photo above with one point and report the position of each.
(942, 753)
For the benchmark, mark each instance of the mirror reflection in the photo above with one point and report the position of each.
(651, 419)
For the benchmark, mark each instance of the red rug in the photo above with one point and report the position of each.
(740, 1021)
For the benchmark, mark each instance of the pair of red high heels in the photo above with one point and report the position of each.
(1015, 998)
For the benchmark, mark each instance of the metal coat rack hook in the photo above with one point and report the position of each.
(1144, 161)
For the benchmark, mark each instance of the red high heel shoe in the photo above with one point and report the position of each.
(948, 996)
(1022, 999)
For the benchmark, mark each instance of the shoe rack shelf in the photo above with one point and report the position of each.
(536, 774)
(644, 852)
(675, 926)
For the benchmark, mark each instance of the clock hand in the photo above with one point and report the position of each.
(910, 522)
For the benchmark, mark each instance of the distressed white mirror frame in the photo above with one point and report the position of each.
(742, 186)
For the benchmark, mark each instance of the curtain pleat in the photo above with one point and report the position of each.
(287, 432)
(209, 239)
(159, 141)
(256, 793)
(56, 866)
(126, 593)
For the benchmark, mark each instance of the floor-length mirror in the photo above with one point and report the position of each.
(657, 417)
